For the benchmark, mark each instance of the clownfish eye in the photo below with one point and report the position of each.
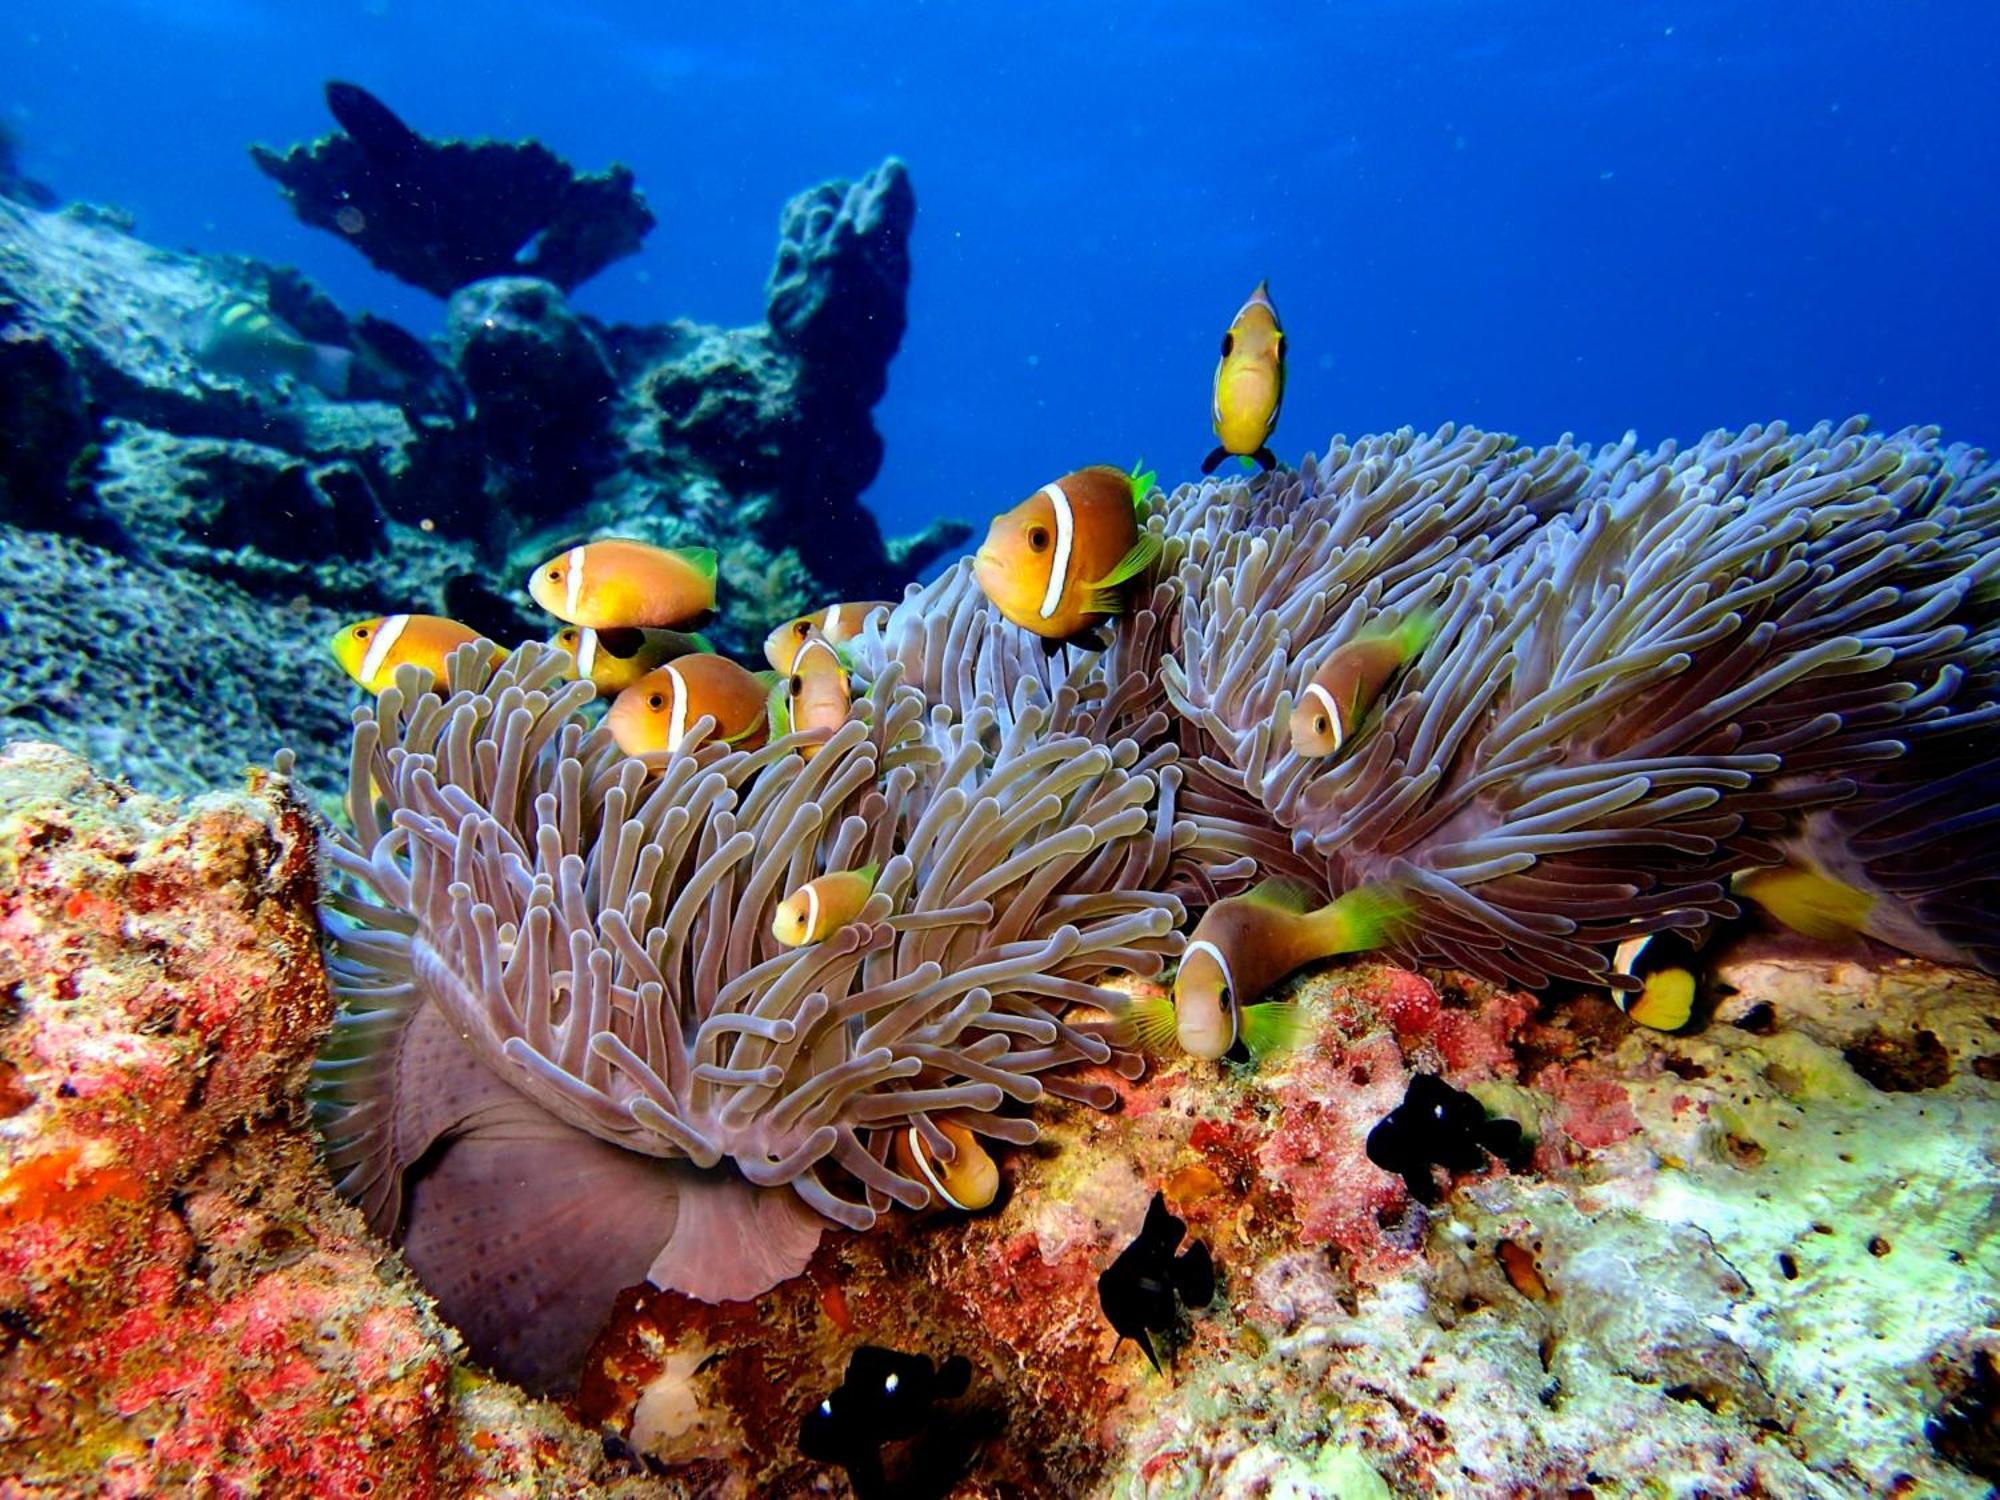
(1038, 538)
(1228, 344)
(802, 628)
(656, 702)
(1319, 724)
(797, 685)
(361, 632)
(555, 575)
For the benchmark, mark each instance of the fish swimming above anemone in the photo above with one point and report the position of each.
(239, 337)
(1057, 564)
(615, 659)
(1337, 697)
(371, 651)
(658, 711)
(837, 624)
(616, 584)
(815, 695)
(1249, 384)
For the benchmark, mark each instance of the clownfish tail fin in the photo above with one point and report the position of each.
(1366, 918)
(1414, 634)
(1214, 460)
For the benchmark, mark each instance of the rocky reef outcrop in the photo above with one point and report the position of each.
(1757, 1258)
(185, 536)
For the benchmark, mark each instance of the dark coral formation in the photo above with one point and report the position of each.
(440, 214)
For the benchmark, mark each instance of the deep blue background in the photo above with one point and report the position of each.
(1542, 216)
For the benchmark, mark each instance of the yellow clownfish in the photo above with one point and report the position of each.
(837, 623)
(969, 1182)
(1665, 965)
(816, 695)
(1342, 691)
(656, 712)
(823, 906)
(1055, 564)
(1244, 945)
(1810, 903)
(618, 584)
(369, 651)
(1249, 383)
(613, 660)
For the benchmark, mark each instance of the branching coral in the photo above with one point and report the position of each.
(558, 970)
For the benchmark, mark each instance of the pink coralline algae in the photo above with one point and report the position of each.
(185, 1306)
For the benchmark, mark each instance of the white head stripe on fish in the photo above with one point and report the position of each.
(1628, 954)
(379, 649)
(586, 652)
(575, 584)
(677, 714)
(924, 1166)
(1065, 539)
(812, 913)
(1314, 690)
(820, 643)
(1203, 945)
(832, 618)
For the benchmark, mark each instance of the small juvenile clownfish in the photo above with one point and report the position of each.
(369, 651)
(1055, 564)
(656, 712)
(816, 694)
(612, 660)
(837, 624)
(822, 907)
(1244, 945)
(969, 1182)
(1249, 384)
(1666, 966)
(616, 584)
(1342, 691)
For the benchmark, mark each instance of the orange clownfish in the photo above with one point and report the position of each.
(656, 712)
(816, 695)
(822, 907)
(1055, 563)
(1249, 383)
(616, 584)
(612, 660)
(1244, 945)
(1342, 691)
(369, 651)
(969, 1182)
(837, 623)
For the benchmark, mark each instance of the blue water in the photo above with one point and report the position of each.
(1541, 216)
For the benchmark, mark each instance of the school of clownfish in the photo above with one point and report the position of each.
(1056, 565)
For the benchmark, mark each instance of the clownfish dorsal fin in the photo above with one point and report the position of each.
(1144, 482)
(867, 873)
(1290, 896)
(701, 559)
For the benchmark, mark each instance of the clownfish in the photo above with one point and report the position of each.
(237, 337)
(969, 1182)
(1055, 564)
(1810, 903)
(823, 906)
(615, 584)
(612, 660)
(816, 694)
(1342, 691)
(1249, 383)
(1244, 945)
(837, 624)
(369, 651)
(1666, 967)
(656, 712)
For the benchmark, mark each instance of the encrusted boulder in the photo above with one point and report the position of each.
(442, 213)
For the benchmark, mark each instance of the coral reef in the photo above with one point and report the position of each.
(262, 515)
(184, 1304)
(440, 214)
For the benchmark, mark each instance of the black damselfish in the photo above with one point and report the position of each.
(886, 1396)
(1143, 1290)
(1437, 1125)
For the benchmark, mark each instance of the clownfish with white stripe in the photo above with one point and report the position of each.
(370, 651)
(968, 1182)
(821, 907)
(1241, 948)
(1671, 979)
(1249, 384)
(655, 713)
(616, 584)
(612, 660)
(815, 695)
(837, 624)
(1339, 695)
(1056, 564)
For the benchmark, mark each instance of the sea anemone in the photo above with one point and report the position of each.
(572, 1055)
